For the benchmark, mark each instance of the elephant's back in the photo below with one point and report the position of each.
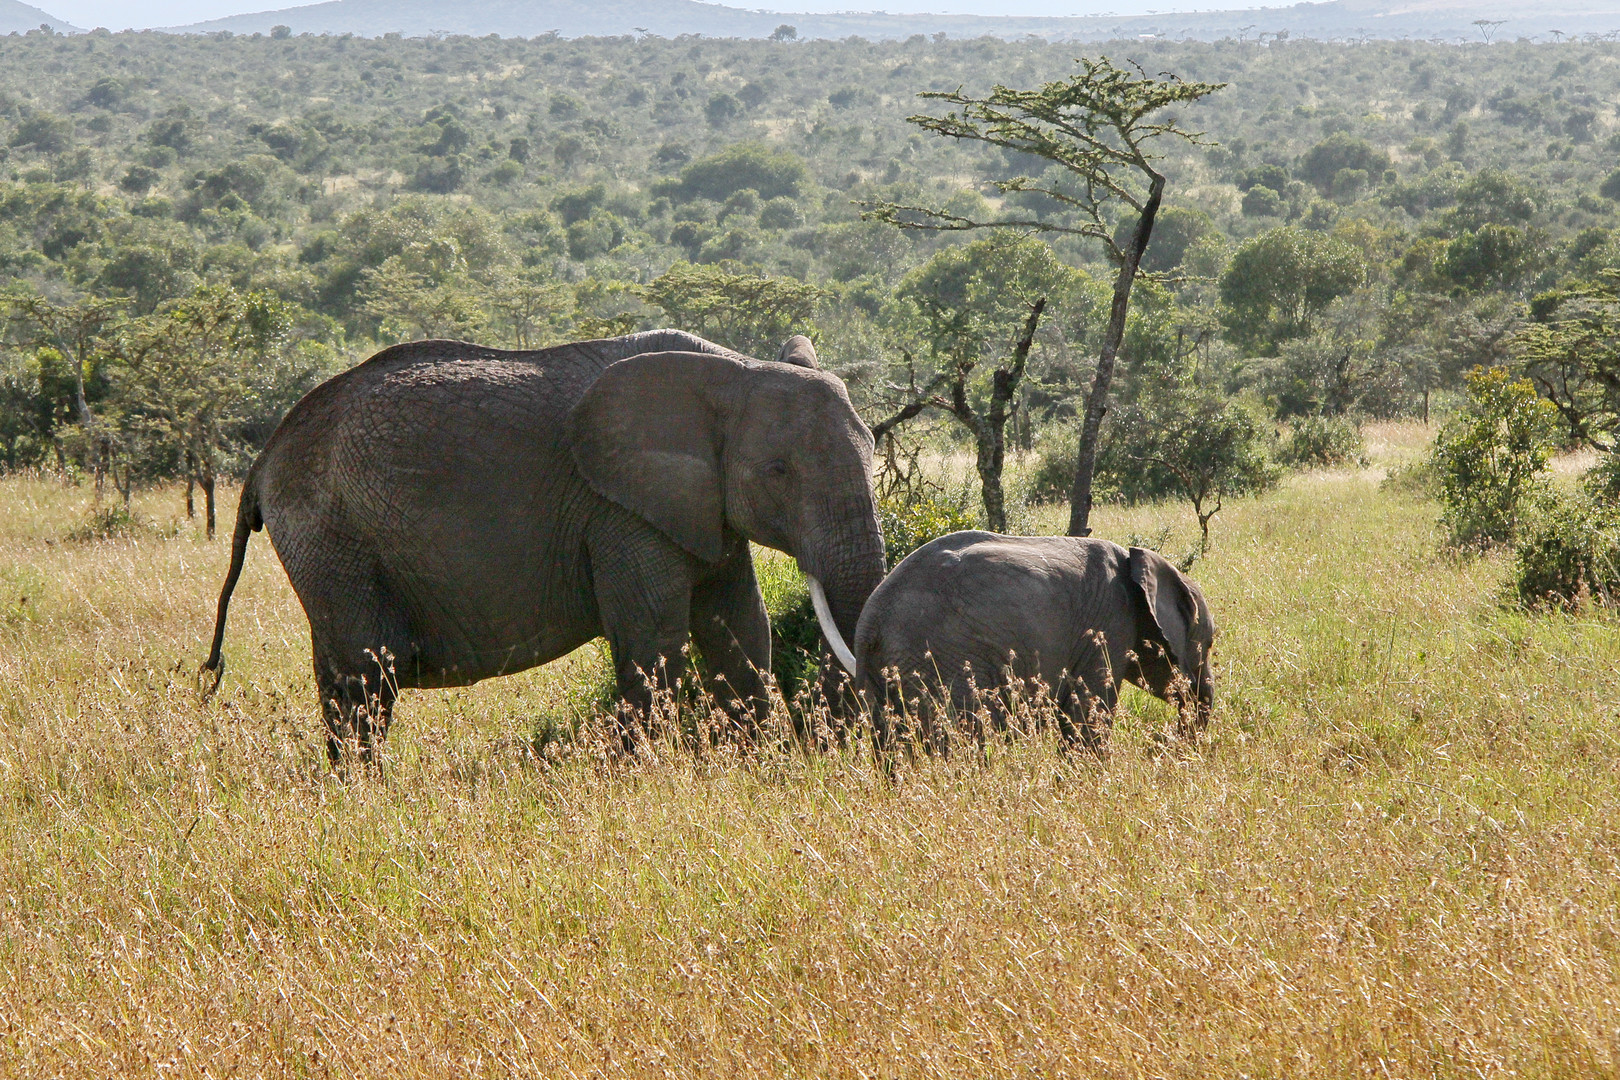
(973, 596)
(428, 395)
(540, 385)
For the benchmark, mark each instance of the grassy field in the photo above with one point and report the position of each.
(1396, 854)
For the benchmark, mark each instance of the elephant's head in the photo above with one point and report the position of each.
(1175, 618)
(696, 444)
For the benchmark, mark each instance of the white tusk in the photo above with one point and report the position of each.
(829, 629)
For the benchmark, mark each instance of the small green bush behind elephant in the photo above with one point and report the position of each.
(1490, 471)
(965, 617)
(448, 513)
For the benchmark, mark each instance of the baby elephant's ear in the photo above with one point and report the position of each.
(798, 350)
(1170, 604)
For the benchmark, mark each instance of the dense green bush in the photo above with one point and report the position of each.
(913, 518)
(1322, 442)
(1568, 553)
(1491, 458)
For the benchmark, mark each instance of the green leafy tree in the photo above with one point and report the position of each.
(1570, 350)
(1491, 197)
(45, 132)
(407, 304)
(529, 307)
(737, 307)
(1610, 188)
(1343, 366)
(1493, 255)
(192, 372)
(770, 173)
(1340, 152)
(80, 335)
(1279, 281)
(1184, 440)
(1096, 131)
(1492, 458)
(1178, 230)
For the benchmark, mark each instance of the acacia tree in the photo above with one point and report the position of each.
(408, 304)
(1570, 350)
(528, 307)
(965, 308)
(1097, 129)
(194, 369)
(80, 332)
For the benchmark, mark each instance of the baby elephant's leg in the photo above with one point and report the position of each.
(1086, 701)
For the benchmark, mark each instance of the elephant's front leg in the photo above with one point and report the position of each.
(644, 596)
(731, 628)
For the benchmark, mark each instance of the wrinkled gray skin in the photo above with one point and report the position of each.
(963, 603)
(463, 512)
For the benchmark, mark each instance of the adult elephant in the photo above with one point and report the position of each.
(447, 513)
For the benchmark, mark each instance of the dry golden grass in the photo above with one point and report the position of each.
(1396, 854)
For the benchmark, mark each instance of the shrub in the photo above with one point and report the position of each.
(506, 173)
(1052, 478)
(1322, 442)
(1602, 481)
(112, 523)
(1416, 479)
(1568, 554)
(1491, 458)
(912, 519)
(1186, 441)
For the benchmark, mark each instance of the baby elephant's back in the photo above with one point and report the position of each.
(975, 597)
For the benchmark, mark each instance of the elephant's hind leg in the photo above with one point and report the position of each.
(362, 648)
(357, 706)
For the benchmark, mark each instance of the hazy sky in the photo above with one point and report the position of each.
(144, 13)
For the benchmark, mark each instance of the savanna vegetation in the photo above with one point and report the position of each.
(1365, 384)
(1354, 228)
(1395, 849)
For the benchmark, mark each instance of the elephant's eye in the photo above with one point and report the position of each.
(775, 468)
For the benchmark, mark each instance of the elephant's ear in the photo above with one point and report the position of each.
(798, 350)
(1171, 604)
(648, 436)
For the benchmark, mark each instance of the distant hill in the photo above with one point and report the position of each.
(18, 18)
(1336, 19)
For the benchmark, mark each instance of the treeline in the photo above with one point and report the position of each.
(1366, 224)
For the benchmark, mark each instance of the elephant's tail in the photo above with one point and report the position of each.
(248, 520)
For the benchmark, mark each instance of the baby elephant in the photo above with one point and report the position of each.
(1082, 615)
